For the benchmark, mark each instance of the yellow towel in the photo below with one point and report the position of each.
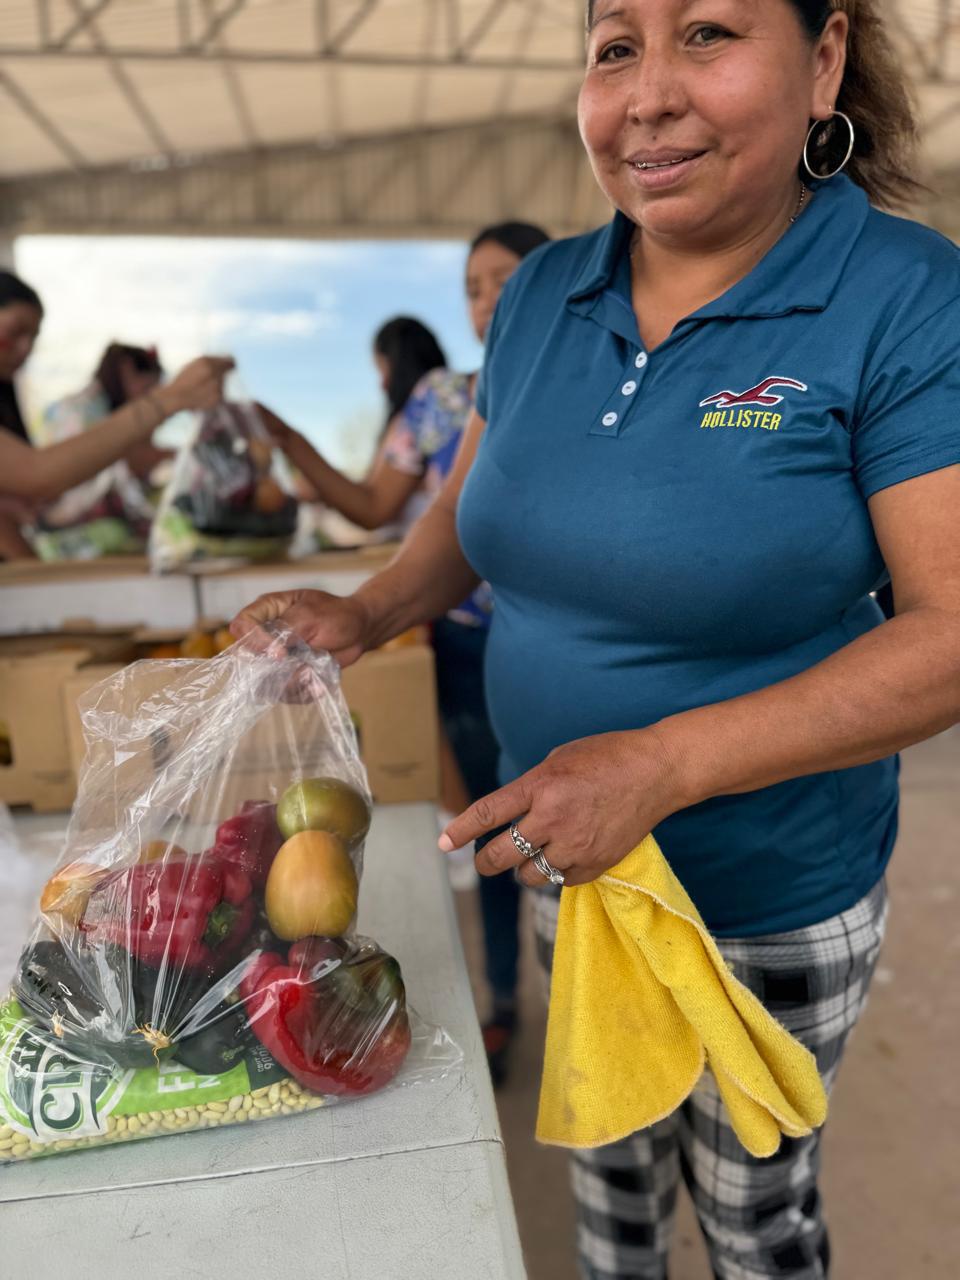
(641, 1000)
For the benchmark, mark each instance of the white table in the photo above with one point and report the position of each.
(409, 1184)
(118, 591)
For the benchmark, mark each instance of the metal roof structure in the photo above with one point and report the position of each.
(336, 117)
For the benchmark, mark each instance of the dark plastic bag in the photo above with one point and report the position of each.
(230, 497)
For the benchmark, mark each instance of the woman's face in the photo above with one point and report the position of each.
(694, 112)
(383, 369)
(19, 326)
(135, 383)
(489, 268)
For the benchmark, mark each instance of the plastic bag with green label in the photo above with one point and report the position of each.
(194, 963)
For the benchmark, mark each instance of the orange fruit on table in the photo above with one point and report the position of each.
(67, 891)
(198, 644)
(165, 651)
(268, 497)
(312, 888)
(223, 639)
(261, 453)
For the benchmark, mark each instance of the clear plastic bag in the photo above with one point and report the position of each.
(230, 497)
(194, 962)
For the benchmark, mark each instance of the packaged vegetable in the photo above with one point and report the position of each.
(195, 962)
(230, 496)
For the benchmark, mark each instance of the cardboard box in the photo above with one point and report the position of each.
(40, 771)
(36, 767)
(392, 699)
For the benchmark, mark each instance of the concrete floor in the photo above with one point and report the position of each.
(892, 1146)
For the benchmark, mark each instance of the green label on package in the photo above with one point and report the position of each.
(47, 1094)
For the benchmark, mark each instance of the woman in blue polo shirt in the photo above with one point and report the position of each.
(704, 435)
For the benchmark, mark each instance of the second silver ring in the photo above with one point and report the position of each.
(522, 844)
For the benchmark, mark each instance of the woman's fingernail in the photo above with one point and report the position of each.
(445, 844)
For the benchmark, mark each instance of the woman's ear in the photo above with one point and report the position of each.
(829, 66)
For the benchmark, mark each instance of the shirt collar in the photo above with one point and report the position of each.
(800, 272)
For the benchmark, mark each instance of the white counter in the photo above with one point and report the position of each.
(409, 1184)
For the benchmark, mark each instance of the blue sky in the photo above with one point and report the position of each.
(298, 316)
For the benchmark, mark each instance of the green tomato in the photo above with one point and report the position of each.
(324, 804)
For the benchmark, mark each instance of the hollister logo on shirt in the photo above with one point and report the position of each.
(732, 411)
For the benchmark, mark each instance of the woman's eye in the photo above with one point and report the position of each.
(614, 53)
(704, 36)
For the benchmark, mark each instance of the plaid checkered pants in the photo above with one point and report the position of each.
(760, 1218)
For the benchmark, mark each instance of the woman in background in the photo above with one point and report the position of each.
(404, 352)
(111, 513)
(30, 478)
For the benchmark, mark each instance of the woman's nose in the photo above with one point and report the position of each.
(657, 89)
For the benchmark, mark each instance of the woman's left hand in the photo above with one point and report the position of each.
(280, 432)
(589, 804)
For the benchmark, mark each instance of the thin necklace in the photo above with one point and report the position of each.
(795, 215)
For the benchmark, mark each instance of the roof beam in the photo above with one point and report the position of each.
(309, 57)
(321, 23)
(83, 20)
(521, 45)
(124, 83)
(480, 28)
(453, 24)
(235, 91)
(216, 22)
(43, 20)
(350, 27)
(43, 122)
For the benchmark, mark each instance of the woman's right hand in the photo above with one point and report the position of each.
(198, 385)
(339, 624)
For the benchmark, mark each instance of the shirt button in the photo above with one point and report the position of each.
(610, 419)
(628, 388)
(641, 360)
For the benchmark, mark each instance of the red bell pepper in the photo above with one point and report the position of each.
(251, 839)
(327, 1046)
(183, 912)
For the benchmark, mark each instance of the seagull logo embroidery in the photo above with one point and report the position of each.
(760, 394)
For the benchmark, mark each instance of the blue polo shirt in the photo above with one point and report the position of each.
(672, 528)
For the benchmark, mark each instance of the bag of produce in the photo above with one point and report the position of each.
(230, 496)
(194, 962)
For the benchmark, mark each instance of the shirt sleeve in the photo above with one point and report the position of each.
(65, 419)
(404, 450)
(400, 449)
(908, 419)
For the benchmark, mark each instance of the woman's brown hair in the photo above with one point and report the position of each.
(874, 94)
(109, 372)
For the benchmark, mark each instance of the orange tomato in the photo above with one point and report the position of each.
(165, 651)
(67, 891)
(268, 497)
(160, 851)
(198, 644)
(312, 888)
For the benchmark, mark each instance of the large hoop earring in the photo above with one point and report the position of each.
(822, 125)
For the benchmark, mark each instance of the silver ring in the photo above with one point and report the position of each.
(523, 845)
(547, 871)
